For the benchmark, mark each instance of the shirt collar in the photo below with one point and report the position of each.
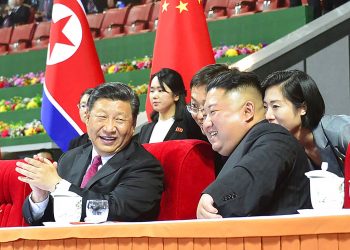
(103, 158)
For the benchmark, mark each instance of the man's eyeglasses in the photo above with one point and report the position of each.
(194, 109)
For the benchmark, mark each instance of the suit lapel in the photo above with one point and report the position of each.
(81, 162)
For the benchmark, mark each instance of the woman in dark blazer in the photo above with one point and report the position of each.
(170, 118)
(293, 100)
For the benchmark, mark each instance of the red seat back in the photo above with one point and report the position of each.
(95, 23)
(12, 195)
(5, 38)
(188, 169)
(22, 37)
(153, 22)
(238, 7)
(113, 22)
(138, 18)
(215, 9)
(41, 35)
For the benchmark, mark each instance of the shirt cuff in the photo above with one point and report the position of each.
(38, 208)
(62, 186)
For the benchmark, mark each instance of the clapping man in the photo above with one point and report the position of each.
(126, 175)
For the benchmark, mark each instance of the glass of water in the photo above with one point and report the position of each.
(96, 211)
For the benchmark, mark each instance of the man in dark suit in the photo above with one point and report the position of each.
(19, 14)
(129, 177)
(264, 174)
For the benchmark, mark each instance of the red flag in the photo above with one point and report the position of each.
(72, 66)
(182, 40)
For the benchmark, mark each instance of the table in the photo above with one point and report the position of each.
(299, 232)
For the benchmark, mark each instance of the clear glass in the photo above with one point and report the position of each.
(96, 211)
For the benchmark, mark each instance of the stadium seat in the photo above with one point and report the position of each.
(188, 169)
(269, 5)
(153, 22)
(238, 8)
(21, 38)
(12, 195)
(215, 9)
(5, 38)
(138, 17)
(95, 23)
(113, 22)
(41, 35)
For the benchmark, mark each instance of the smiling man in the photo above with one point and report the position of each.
(264, 172)
(112, 168)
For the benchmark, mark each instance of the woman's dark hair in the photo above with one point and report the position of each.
(116, 91)
(175, 83)
(86, 92)
(301, 90)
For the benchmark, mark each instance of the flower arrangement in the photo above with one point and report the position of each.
(20, 129)
(129, 65)
(235, 50)
(140, 89)
(18, 103)
(22, 80)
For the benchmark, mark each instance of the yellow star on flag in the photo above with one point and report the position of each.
(165, 6)
(182, 6)
(199, 1)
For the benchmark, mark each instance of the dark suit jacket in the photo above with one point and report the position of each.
(264, 175)
(183, 128)
(20, 16)
(131, 181)
(79, 141)
(332, 136)
(100, 5)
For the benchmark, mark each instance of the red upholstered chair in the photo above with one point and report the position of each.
(215, 9)
(269, 5)
(347, 178)
(95, 23)
(153, 22)
(41, 35)
(239, 8)
(138, 17)
(188, 169)
(12, 195)
(113, 22)
(22, 37)
(5, 37)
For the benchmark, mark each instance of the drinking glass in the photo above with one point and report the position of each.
(96, 211)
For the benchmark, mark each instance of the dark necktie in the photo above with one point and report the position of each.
(91, 171)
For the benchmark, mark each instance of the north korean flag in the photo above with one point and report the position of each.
(72, 66)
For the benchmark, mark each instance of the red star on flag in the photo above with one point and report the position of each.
(57, 36)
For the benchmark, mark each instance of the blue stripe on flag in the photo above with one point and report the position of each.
(56, 126)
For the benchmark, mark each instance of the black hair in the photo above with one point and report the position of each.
(234, 79)
(206, 74)
(87, 91)
(301, 90)
(175, 83)
(116, 91)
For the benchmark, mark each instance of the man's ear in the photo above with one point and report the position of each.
(176, 98)
(248, 111)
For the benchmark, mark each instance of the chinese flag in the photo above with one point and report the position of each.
(72, 66)
(182, 40)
